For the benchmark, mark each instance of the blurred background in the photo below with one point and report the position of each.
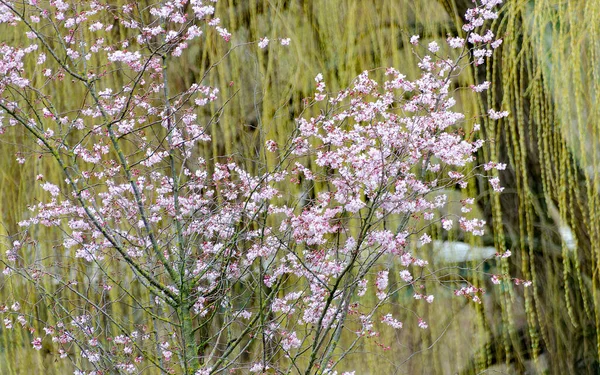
(546, 73)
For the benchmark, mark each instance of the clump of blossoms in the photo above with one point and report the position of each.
(193, 251)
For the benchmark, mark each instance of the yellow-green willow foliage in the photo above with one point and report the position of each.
(546, 74)
(547, 77)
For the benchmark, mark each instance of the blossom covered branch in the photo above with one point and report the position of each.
(211, 244)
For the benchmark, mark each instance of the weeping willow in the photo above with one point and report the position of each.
(546, 74)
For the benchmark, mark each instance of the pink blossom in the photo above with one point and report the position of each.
(406, 276)
(433, 47)
(290, 341)
(447, 224)
(389, 320)
(37, 343)
(425, 239)
(271, 145)
(497, 115)
(455, 42)
(481, 87)
(258, 367)
(263, 43)
(382, 283)
(496, 43)
(226, 35)
(495, 182)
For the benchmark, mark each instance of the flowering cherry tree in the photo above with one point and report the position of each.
(236, 273)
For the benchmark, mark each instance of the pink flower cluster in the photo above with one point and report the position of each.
(206, 237)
